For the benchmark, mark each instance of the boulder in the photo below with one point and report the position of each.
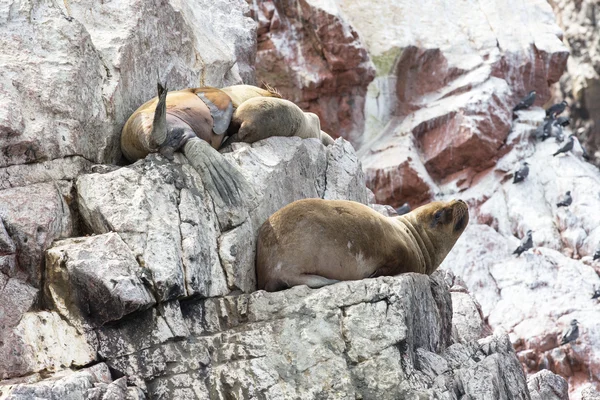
(312, 54)
(95, 280)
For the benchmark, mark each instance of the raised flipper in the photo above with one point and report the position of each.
(225, 183)
(159, 124)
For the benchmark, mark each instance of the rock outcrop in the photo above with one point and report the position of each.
(130, 282)
(310, 52)
(535, 296)
(440, 107)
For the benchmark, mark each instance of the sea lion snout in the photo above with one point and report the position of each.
(460, 215)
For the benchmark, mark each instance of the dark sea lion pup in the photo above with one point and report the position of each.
(318, 242)
(195, 121)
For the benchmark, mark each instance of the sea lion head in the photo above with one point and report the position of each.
(442, 223)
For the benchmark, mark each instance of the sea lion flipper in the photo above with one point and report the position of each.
(221, 109)
(326, 139)
(159, 124)
(312, 281)
(224, 181)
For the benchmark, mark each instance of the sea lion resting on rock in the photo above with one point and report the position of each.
(194, 120)
(262, 117)
(318, 242)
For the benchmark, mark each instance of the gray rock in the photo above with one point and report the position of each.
(545, 385)
(95, 280)
(42, 341)
(376, 338)
(33, 217)
(68, 385)
(466, 318)
(345, 177)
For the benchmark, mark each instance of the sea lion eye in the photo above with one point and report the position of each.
(438, 215)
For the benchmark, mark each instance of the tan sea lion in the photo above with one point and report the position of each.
(262, 117)
(194, 120)
(241, 93)
(318, 242)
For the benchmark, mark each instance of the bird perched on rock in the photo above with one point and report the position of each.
(571, 333)
(567, 146)
(521, 173)
(596, 293)
(526, 244)
(556, 109)
(403, 209)
(547, 128)
(596, 255)
(565, 201)
(526, 102)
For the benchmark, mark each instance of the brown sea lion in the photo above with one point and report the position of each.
(318, 242)
(262, 117)
(195, 121)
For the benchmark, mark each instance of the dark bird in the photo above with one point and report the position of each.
(521, 173)
(563, 121)
(403, 209)
(526, 244)
(570, 334)
(526, 102)
(596, 255)
(556, 109)
(567, 147)
(565, 201)
(596, 293)
(547, 128)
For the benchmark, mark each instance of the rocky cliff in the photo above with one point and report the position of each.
(438, 124)
(129, 282)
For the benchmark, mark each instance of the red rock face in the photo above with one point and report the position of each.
(314, 58)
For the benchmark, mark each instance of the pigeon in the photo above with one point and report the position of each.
(526, 102)
(556, 109)
(521, 173)
(567, 147)
(403, 209)
(596, 293)
(565, 201)
(570, 334)
(526, 244)
(596, 255)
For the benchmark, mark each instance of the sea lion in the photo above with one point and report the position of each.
(194, 120)
(318, 242)
(262, 117)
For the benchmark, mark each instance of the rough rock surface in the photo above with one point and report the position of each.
(312, 54)
(440, 108)
(534, 297)
(131, 283)
(111, 53)
(580, 85)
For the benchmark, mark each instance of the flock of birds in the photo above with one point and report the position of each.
(552, 126)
